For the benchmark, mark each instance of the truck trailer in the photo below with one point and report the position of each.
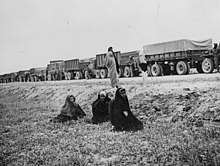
(177, 57)
(76, 68)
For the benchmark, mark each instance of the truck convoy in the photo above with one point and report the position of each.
(167, 58)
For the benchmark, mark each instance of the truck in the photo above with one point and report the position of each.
(37, 74)
(23, 76)
(128, 65)
(4, 78)
(76, 68)
(177, 57)
(100, 69)
(12, 77)
(55, 70)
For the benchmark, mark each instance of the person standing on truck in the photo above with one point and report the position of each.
(216, 52)
(111, 63)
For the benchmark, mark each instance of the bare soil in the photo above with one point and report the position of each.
(168, 104)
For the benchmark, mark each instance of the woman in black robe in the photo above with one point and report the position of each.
(70, 111)
(121, 116)
(100, 108)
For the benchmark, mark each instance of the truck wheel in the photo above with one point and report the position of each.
(97, 74)
(199, 68)
(120, 72)
(87, 76)
(78, 75)
(188, 67)
(181, 68)
(103, 73)
(161, 69)
(155, 70)
(207, 65)
(127, 72)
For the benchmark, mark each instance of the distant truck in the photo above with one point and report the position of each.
(37, 74)
(128, 65)
(76, 69)
(100, 69)
(55, 70)
(4, 78)
(12, 77)
(23, 76)
(177, 57)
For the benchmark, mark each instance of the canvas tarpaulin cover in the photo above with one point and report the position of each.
(176, 46)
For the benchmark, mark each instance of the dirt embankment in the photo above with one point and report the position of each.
(175, 111)
(170, 98)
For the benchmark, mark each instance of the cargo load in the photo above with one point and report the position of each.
(177, 46)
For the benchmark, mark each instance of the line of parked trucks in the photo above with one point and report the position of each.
(167, 58)
(75, 69)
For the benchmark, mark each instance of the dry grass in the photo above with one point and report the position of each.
(170, 136)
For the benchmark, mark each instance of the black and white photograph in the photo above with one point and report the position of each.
(109, 82)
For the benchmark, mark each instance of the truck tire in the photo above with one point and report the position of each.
(188, 67)
(103, 73)
(181, 68)
(207, 65)
(161, 69)
(131, 71)
(155, 70)
(199, 68)
(127, 72)
(97, 74)
(78, 75)
(121, 72)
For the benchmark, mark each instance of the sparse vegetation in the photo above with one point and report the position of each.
(171, 135)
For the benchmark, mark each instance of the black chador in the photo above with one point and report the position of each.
(100, 108)
(121, 116)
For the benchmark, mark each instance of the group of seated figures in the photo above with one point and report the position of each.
(104, 109)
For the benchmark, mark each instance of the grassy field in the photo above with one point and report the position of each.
(176, 126)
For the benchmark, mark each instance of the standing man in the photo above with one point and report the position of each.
(217, 57)
(113, 67)
(216, 52)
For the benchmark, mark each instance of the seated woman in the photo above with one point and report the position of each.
(70, 111)
(121, 116)
(100, 108)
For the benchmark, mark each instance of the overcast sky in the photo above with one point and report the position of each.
(34, 32)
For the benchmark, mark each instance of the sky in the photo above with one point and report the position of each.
(34, 32)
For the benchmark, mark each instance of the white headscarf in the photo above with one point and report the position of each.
(142, 57)
(102, 93)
